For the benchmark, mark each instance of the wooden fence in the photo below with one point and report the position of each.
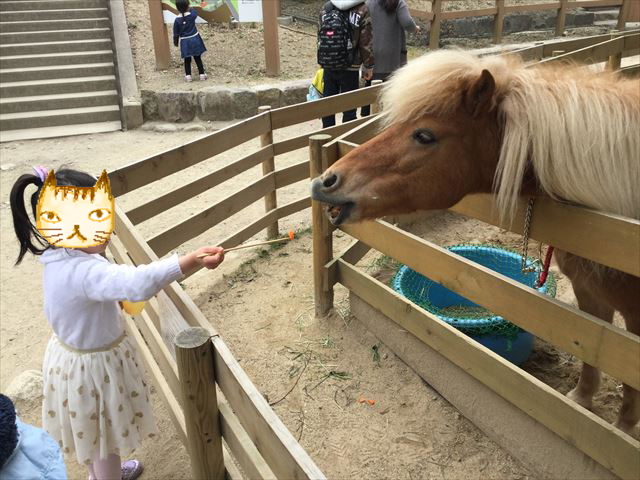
(218, 413)
(189, 377)
(604, 238)
(437, 14)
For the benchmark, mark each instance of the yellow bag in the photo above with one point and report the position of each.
(318, 81)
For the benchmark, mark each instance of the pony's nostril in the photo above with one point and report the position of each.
(330, 181)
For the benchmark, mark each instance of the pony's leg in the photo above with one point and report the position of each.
(589, 381)
(629, 414)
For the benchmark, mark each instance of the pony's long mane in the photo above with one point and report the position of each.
(579, 129)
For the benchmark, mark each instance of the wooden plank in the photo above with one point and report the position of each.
(292, 174)
(593, 3)
(609, 348)
(243, 449)
(577, 43)
(159, 35)
(604, 443)
(284, 455)
(434, 33)
(531, 8)
(498, 21)
(185, 230)
(562, 17)
(362, 133)
(270, 35)
(345, 147)
(480, 12)
(260, 224)
(194, 356)
(302, 112)
(187, 191)
(592, 54)
(631, 42)
(580, 231)
(143, 172)
(631, 71)
(319, 158)
(421, 14)
(268, 166)
(302, 141)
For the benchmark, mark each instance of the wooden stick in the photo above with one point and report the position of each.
(248, 245)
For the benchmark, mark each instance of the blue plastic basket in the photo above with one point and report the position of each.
(489, 329)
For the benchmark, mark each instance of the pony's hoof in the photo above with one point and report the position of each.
(586, 402)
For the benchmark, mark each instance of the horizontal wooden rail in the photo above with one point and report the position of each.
(594, 341)
(363, 132)
(469, 13)
(284, 455)
(600, 51)
(257, 226)
(302, 141)
(593, 3)
(604, 443)
(538, 7)
(202, 221)
(292, 174)
(302, 112)
(185, 192)
(607, 239)
(144, 172)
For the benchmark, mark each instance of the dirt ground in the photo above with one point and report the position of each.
(235, 56)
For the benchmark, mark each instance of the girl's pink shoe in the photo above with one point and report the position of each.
(131, 469)
(203, 76)
(187, 78)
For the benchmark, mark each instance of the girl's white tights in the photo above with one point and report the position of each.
(106, 468)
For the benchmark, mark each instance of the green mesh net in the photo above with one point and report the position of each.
(461, 313)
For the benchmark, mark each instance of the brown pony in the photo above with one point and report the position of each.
(457, 124)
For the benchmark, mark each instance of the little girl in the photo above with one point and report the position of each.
(191, 44)
(96, 402)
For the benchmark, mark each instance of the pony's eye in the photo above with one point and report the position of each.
(424, 136)
(99, 215)
(50, 217)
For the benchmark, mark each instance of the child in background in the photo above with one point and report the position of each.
(186, 34)
(96, 402)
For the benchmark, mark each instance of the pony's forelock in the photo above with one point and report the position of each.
(434, 83)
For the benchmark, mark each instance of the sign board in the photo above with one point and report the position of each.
(218, 10)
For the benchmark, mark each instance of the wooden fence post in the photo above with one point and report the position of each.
(624, 13)
(498, 22)
(194, 356)
(271, 42)
(322, 234)
(269, 166)
(375, 107)
(561, 18)
(160, 35)
(615, 60)
(434, 33)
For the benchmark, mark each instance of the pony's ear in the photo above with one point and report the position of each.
(479, 97)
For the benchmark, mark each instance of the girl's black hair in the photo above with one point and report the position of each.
(389, 5)
(28, 236)
(182, 6)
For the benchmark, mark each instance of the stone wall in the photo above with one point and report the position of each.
(219, 103)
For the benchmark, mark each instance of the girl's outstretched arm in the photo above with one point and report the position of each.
(102, 281)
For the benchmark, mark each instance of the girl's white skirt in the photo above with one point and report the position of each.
(96, 401)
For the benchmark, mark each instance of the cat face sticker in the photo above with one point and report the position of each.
(75, 217)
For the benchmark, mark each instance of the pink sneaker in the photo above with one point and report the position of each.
(131, 469)
(187, 78)
(203, 76)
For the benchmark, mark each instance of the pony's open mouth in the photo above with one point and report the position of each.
(338, 213)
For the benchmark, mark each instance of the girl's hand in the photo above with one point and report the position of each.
(190, 261)
(215, 258)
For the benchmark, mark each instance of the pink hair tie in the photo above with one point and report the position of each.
(41, 172)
